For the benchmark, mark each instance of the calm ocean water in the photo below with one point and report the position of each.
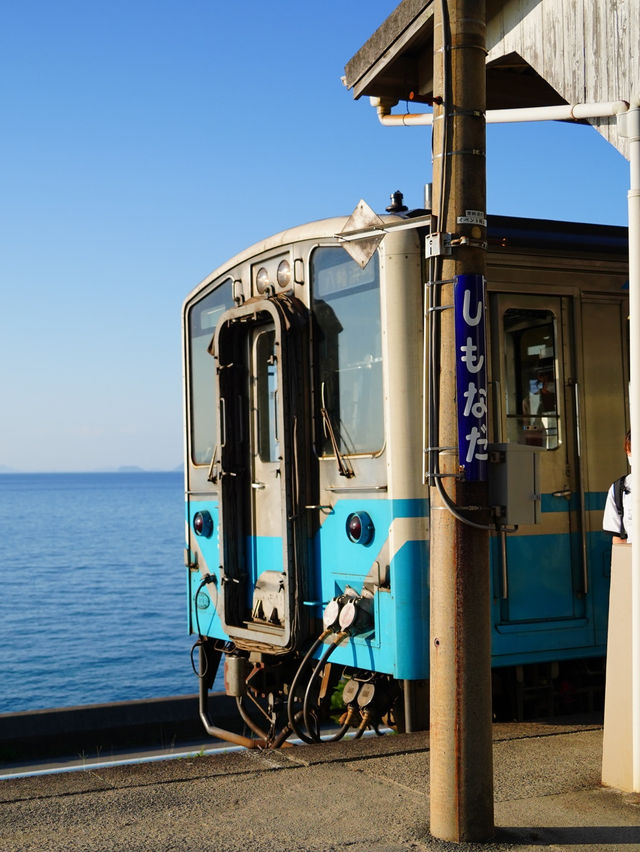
(93, 601)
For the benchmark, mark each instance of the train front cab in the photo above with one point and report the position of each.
(303, 421)
(305, 442)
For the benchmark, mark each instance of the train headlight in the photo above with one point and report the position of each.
(360, 528)
(203, 524)
(262, 280)
(283, 275)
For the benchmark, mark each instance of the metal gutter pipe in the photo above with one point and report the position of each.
(568, 112)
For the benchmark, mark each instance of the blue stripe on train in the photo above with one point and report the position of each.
(593, 501)
(545, 618)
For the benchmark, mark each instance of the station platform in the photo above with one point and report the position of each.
(365, 796)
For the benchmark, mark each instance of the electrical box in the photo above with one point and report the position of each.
(514, 492)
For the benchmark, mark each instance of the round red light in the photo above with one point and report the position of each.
(354, 526)
(203, 524)
(360, 528)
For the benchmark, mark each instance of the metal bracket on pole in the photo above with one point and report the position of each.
(628, 124)
(438, 244)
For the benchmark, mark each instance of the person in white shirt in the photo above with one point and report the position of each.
(617, 510)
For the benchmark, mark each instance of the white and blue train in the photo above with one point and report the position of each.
(307, 507)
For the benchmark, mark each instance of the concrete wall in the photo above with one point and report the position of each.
(101, 729)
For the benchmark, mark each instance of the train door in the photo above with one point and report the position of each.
(265, 526)
(539, 577)
(262, 375)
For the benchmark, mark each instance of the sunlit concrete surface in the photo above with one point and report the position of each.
(367, 795)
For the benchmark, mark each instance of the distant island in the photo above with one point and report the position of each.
(125, 468)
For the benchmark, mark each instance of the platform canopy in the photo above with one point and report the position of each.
(540, 53)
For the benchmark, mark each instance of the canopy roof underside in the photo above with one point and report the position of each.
(540, 53)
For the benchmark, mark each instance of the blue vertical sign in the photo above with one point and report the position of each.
(471, 376)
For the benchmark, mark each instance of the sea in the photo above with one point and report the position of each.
(93, 603)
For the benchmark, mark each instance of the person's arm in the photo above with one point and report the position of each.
(611, 519)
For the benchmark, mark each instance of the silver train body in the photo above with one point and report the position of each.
(307, 512)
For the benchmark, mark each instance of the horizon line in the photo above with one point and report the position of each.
(133, 469)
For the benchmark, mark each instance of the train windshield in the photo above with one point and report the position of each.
(346, 307)
(203, 318)
(531, 372)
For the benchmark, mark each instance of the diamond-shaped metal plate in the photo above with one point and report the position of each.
(362, 219)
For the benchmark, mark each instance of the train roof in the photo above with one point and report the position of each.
(581, 237)
(319, 229)
(503, 232)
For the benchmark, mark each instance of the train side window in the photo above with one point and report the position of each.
(202, 320)
(346, 308)
(533, 416)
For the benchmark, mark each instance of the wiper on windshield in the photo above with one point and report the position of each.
(344, 465)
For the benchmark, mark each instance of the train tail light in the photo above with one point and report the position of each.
(203, 524)
(360, 528)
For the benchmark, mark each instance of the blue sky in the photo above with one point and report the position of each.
(143, 143)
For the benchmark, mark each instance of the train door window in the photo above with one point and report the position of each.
(539, 573)
(202, 321)
(531, 378)
(346, 306)
(266, 379)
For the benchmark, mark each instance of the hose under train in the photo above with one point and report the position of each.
(311, 734)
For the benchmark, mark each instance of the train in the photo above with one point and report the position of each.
(306, 404)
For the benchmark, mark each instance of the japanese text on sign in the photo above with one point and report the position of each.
(471, 376)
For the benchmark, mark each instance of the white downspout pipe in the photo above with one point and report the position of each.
(633, 134)
(567, 112)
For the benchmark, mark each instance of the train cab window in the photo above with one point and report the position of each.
(532, 410)
(346, 307)
(202, 321)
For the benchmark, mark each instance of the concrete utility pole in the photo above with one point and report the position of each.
(460, 739)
